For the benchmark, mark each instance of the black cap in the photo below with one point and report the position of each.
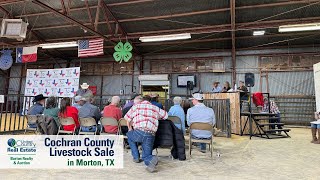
(38, 98)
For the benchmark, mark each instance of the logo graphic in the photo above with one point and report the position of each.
(123, 52)
(48, 74)
(75, 72)
(35, 74)
(11, 142)
(41, 83)
(68, 83)
(62, 74)
(54, 83)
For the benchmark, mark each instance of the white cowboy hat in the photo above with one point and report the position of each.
(197, 96)
(84, 86)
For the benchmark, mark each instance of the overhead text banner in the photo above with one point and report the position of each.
(60, 152)
(62, 82)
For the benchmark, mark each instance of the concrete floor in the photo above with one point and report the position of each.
(241, 158)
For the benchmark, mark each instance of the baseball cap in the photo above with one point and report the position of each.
(197, 96)
(79, 98)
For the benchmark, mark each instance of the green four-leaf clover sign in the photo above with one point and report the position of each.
(123, 52)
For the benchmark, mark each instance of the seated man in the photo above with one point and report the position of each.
(143, 118)
(79, 102)
(130, 103)
(128, 106)
(200, 113)
(155, 100)
(112, 110)
(37, 108)
(176, 110)
(89, 111)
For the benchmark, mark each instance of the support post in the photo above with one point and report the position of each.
(233, 39)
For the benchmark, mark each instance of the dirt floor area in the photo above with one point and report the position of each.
(241, 158)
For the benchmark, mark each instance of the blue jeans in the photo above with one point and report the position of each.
(317, 126)
(146, 140)
(203, 146)
(33, 125)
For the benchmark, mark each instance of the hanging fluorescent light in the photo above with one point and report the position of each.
(300, 27)
(59, 45)
(170, 37)
(259, 33)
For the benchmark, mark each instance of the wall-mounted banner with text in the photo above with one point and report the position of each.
(60, 152)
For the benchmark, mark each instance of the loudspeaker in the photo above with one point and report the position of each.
(249, 79)
(190, 85)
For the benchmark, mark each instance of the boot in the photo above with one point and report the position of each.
(318, 142)
(314, 135)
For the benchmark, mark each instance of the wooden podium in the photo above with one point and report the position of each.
(234, 98)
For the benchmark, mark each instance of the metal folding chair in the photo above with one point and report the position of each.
(108, 121)
(201, 126)
(87, 122)
(31, 119)
(65, 122)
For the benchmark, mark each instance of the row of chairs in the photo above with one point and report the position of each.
(108, 121)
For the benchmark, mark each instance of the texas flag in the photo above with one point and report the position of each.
(26, 54)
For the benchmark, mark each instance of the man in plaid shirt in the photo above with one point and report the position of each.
(143, 118)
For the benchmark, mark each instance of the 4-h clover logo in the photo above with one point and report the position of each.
(123, 52)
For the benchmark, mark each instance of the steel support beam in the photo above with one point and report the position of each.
(89, 13)
(97, 16)
(104, 8)
(70, 19)
(233, 39)
(64, 10)
(108, 11)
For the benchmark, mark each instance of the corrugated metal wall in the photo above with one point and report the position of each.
(280, 83)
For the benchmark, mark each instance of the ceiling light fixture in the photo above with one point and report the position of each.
(170, 37)
(300, 27)
(59, 45)
(259, 33)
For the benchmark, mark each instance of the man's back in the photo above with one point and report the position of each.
(36, 109)
(145, 115)
(203, 114)
(89, 110)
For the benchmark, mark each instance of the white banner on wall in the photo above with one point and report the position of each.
(52, 82)
(316, 70)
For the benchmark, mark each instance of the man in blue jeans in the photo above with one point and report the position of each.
(201, 114)
(143, 124)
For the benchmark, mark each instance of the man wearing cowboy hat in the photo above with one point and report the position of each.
(37, 108)
(84, 91)
(202, 114)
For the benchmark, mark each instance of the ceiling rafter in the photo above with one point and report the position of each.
(71, 20)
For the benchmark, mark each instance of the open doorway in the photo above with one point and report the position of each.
(160, 84)
(163, 92)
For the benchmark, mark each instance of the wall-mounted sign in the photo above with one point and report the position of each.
(123, 52)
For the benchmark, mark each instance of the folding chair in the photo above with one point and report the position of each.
(87, 122)
(176, 120)
(65, 122)
(31, 119)
(108, 121)
(201, 126)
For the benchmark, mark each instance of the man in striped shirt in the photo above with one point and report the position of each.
(143, 118)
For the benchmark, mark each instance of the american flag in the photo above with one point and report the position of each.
(88, 48)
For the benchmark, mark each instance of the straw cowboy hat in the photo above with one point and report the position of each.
(84, 86)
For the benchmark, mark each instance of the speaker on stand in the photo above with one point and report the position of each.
(249, 82)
